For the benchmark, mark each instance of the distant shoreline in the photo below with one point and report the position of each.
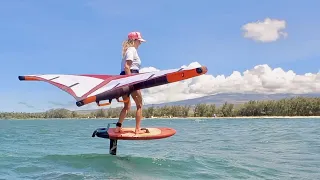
(180, 118)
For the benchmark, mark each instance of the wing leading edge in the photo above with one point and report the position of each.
(89, 88)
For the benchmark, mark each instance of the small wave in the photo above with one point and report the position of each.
(132, 166)
(104, 160)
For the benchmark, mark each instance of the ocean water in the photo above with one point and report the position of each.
(201, 149)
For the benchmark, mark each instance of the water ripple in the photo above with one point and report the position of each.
(201, 149)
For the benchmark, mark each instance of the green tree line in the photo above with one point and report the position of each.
(297, 106)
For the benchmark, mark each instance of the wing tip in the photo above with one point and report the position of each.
(202, 70)
(21, 78)
(79, 103)
(28, 78)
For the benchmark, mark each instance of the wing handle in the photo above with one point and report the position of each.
(124, 100)
(104, 104)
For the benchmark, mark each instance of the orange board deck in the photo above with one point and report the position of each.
(153, 133)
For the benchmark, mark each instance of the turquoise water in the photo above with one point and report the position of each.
(201, 149)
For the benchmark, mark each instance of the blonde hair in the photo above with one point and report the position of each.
(126, 44)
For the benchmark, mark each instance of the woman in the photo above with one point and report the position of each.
(131, 64)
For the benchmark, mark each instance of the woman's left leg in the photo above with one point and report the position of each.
(137, 97)
(123, 113)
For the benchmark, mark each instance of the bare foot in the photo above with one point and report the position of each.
(118, 130)
(139, 131)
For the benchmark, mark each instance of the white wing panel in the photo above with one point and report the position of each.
(78, 84)
(106, 87)
(84, 87)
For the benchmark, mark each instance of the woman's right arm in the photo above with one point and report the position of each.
(129, 58)
(127, 66)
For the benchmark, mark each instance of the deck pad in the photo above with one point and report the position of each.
(129, 133)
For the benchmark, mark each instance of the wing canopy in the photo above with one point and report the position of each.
(93, 88)
(75, 85)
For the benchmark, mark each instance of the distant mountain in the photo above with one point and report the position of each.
(235, 98)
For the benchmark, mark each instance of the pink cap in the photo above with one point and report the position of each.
(135, 35)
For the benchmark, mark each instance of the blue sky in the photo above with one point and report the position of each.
(78, 36)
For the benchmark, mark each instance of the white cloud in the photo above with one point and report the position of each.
(268, 30)
(260, 79)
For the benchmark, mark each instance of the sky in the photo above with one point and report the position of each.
(248, 46)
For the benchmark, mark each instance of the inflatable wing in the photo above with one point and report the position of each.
(87, 88)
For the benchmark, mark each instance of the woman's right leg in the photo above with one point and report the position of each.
(123, 113)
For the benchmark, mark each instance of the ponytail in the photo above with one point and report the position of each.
(125, 45)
